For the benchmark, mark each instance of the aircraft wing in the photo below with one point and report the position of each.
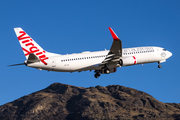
(115, 52)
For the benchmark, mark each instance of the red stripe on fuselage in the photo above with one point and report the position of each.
(134, 60)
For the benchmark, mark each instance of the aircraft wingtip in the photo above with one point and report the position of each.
(115, 37)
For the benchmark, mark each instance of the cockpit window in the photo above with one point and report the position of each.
(164, 49)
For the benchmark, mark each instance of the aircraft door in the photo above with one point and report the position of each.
(53, 63)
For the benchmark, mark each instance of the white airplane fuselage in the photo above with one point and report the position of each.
(91, 60)
(103, 62)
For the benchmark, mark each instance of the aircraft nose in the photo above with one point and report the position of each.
(169, 54)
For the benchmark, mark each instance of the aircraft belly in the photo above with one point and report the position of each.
(85, 65)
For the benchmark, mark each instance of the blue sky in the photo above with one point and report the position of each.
(75, 26)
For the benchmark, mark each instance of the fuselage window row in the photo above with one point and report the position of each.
(138, 52)
(82, 58)
(73, 59)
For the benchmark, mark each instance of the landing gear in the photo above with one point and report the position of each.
(103, 70)
(107, 71)
(159, 66)
(97, 75)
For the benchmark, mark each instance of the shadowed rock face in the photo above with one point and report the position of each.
(65, 102)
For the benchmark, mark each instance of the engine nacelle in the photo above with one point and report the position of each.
(110, 70)
(129, 61)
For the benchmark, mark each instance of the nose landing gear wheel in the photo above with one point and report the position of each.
(159, 66)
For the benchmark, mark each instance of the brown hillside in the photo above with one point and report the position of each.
(66, 102)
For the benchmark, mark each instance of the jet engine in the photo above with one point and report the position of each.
(129, 61)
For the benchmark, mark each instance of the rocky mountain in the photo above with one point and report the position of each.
(66, 102)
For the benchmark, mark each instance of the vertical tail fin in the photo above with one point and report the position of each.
(30, 46)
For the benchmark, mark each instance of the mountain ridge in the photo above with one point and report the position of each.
(67, 102)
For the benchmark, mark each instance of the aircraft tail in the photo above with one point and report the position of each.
(29, 46)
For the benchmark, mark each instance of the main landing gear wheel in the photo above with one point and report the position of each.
(107, 71)
(159, 66)
(97, 75)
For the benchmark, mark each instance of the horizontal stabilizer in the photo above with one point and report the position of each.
(17, 64)
(32, 58)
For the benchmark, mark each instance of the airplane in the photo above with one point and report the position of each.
(102, 62)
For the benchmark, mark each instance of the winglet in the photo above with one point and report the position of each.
(115, 37)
